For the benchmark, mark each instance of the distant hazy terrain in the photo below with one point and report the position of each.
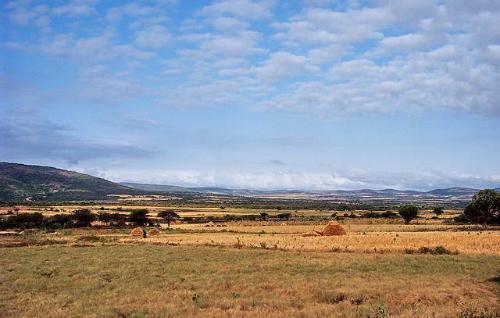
(455, 195)
(19, 182)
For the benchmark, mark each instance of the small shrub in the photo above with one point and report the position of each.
(484, 313)
(329, 297)
(91, 238)
(438, 250)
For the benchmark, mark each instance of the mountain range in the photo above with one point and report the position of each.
(20, 182)
(448, 195)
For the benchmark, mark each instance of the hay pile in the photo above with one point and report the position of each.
(137, 231)
(333, 228)
(153, 232)
(210, 224)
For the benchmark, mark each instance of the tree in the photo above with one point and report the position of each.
(438, 210)
(263, 216)
(83, 217)
(168, 216)
(484, 208)
(408, 212)
(139, 217)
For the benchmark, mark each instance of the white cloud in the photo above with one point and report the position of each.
(240, 44)
(283, 65)
(155, 37)
(129, 10)
(245, 9)
(228, 24)
(76, 8)
(303, 180)
(327, 57)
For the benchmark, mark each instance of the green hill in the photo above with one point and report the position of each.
(19, 182)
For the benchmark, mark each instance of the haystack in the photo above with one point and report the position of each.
(210, 224)
(137, 231)
(333, 228)
(153, 232)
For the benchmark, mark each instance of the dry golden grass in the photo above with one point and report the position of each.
(487, 243)
(182, 281)
(302, 227)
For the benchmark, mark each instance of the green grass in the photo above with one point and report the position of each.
(175, 281)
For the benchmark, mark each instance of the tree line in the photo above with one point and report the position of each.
(84, 218)
(484, 209)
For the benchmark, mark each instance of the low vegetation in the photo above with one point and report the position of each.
(182, 281)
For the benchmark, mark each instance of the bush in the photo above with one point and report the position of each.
(330, 297)
(83, 217)
(438, 210)
(386, 214)
(91, 238)
(118, 219)
(57, 221)
(438, 250)
(24, 220)
(104, 217)
(408, 212)
(284, 216)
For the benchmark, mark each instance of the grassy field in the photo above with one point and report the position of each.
(138, 280)
(381, 268)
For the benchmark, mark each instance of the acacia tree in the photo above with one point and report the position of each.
(408, 212)
(168, 216)
(484, 208)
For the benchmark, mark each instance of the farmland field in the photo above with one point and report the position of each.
(380, 268)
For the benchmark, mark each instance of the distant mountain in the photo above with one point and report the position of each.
(19, 182)
(156, 187)
(454, 191)
(455, 195)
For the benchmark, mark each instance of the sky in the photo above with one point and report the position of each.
(312, 94)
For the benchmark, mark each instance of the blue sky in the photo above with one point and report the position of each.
(312, 94)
